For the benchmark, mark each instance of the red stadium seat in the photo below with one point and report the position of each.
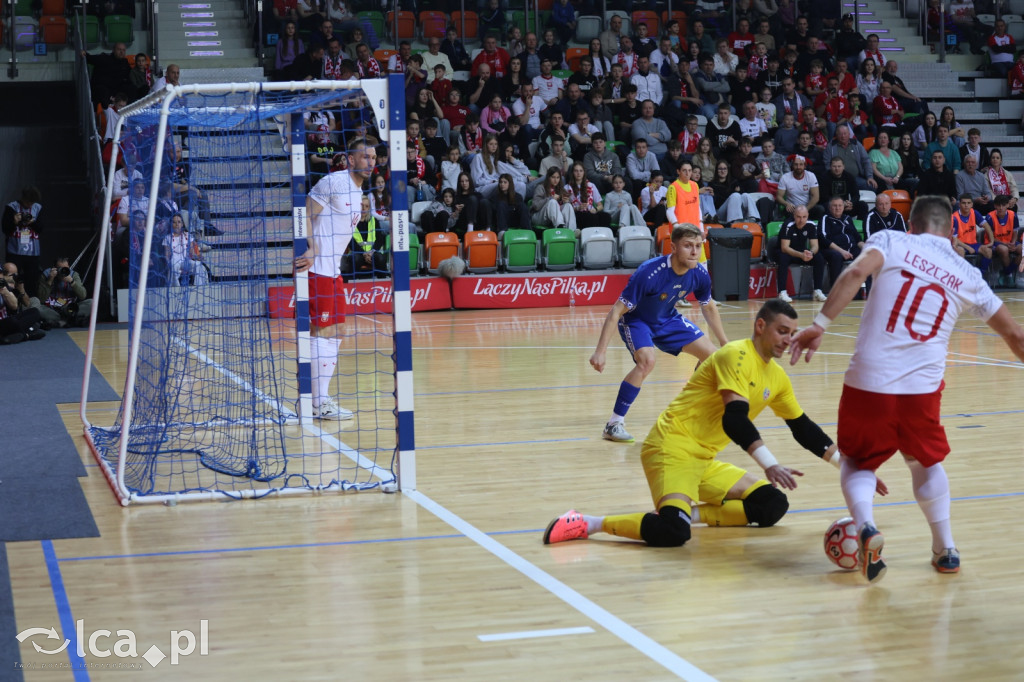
(54, 30)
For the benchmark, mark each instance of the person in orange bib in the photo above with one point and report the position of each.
(1003, 222)
(966, 222)
(683, 204)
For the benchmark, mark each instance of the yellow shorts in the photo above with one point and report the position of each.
(699, 478)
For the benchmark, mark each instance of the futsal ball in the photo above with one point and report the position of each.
(841, 543)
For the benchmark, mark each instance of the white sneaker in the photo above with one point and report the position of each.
(818, 296)
(331, 410)
(785, 297)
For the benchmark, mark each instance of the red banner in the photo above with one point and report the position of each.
(763, 281)
(369, 297)
(537, 291)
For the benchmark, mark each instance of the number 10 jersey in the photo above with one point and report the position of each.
(921, 289)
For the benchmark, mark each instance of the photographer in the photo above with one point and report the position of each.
(19, 321)
(21, 228)
(61, 290)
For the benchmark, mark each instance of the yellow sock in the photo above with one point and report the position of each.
(623, 525)
(731, 512)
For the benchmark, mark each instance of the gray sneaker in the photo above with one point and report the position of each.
(617, 432)
(947, 561)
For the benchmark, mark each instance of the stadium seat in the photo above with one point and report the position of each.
(481, 251)
(598, 248)
(53, 8)
(757, 244)
(868, 197)
(868, 143)
(859, 224)
(772, 229)
(545, 5)
(23, 8)
(382, 56)
(677, 16)
(558, 249)
(53, 30)
(573, 56)
(900, 201)
(406, 25)
(587, 28)
(376, 21)
(25, 32)
(663, 238)
(636, 245)
(433, 24)
(515, 18)
(707, 242)
(414, 252)
(651, 19)
(519, 250)
(472, 24)
(90, 28)
(416, 211)
(117, 28)
(439, 246)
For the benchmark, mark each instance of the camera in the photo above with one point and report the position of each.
(63, 272)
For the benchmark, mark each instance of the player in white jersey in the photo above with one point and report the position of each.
(893, 387)
(333, 210)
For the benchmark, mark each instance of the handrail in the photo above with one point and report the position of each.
(91, 139)
(12, 69)
(153, 11)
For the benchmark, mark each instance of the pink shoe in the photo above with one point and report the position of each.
(568, 526)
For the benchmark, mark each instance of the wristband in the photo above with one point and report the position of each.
(835, 459)
(822, 320)
(763, 456)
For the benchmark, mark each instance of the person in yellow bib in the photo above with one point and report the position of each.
(683, 204)
(716, 406)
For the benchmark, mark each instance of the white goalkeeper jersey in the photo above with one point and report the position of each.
(922, 288)
(341, 200)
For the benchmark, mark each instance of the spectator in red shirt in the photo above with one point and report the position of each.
(367, 65)
(833, 106)
(496, 56)
(1016, 77)
(887, 111)
(1001, 48)
(740, 38)
(286, 10)
(454, 111)
(847, 81)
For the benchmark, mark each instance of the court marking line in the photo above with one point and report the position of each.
(613, 624)
(64, 615)
(447, 536)
(530, 634)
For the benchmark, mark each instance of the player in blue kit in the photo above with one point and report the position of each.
(646, 318)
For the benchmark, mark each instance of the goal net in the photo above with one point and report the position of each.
(222, 370)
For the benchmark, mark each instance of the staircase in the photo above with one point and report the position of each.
(205, 34)
(979, 102)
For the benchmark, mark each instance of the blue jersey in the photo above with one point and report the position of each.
(654, 289)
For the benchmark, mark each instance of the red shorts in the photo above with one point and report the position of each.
(326, 300)
(873, 426)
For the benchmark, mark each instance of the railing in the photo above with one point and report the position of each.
(91, 138)
(12, 69)
(254, 22)
(152, 16)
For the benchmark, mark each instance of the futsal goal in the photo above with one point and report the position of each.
(216, 360)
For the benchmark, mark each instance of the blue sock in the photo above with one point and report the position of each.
(627, 394)
(983, 264)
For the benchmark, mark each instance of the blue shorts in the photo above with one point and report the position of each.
(970, 248)
(671, 337)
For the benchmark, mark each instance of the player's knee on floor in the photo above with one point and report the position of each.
(765, 506)
(670, 527)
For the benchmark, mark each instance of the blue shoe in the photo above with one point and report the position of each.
(869, 553)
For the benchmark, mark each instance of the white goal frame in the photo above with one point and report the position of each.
(387, 97)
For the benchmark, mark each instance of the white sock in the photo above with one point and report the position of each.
(931, 490)
(325, 359)
(616, 419)
(858, 489)
(593, 523)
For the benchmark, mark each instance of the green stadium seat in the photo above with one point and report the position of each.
(516, 18)
(773, 229)
(117, 28)
(90, 29)
(23, 8)
(376, 20)
(414, 252)
(859, 224)
(559, 249)
(519, 250)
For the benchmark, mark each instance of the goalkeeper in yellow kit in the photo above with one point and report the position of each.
(716, 406)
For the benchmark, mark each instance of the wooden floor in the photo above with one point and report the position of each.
(369, 586)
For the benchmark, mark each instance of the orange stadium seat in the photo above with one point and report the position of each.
(54, 30)
(755, 230)
(663, 238)
(573, 56)
(382, 56)
(707, 242)
(406, 25)
(481, 251)
(438, 246)
(677, 16)
(472, 24)
(433, 24)
(647, 17)
(53, 8)
(900, 201)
